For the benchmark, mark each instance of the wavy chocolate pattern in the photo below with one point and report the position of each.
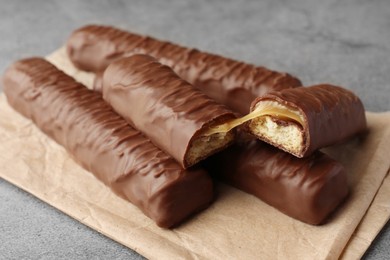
(104, 144)
(167, 109)
(233, 83)
(307, 189)
(331, 114)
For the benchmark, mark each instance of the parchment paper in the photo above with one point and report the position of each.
(376, 217)
(237, 225)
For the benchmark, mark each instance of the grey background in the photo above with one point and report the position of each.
(345, 43)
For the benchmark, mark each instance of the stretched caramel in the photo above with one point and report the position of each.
(272, 109)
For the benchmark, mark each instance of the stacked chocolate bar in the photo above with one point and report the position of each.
(163, 120)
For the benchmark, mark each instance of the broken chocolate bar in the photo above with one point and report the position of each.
(303, 120)
(104, 144)
(233, 83)
(168, 110)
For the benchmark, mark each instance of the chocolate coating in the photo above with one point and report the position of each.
(233, 83)
(167, 109)
(331, 114)
(308, 189)
(104, 144)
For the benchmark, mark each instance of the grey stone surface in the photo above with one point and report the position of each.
(340, 42)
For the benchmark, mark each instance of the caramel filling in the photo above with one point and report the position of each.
(265, 108)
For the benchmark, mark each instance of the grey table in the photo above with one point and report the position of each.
(346, 43)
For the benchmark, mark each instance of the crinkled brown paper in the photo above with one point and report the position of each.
(236, 226)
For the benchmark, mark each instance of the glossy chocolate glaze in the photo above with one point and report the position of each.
(167, 109)
(308, 189)
(233, 83)
(104, 144)
(331, 114)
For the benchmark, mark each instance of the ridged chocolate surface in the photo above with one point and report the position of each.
(307, 189)
(233, 83)
(332, 114)
(164, 107)
(104, 144)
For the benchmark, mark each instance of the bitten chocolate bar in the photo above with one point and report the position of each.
(233, 83)
(104, 144)
(303, 120)
(307, 189)
(168, 110)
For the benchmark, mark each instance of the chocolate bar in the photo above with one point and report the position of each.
(168, 110)
(307, 189)
(303, 120)
(233, 83)
(103, 143)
